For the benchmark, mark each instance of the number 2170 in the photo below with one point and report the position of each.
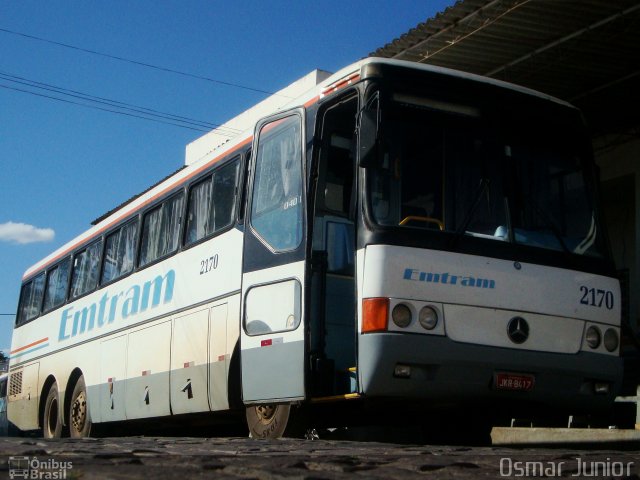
(596, 297)
(208, 264)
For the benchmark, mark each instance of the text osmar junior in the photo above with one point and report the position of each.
(608, 468)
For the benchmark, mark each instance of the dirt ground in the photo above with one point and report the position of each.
(244, 458)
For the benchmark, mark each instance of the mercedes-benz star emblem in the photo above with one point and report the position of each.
(518, 330)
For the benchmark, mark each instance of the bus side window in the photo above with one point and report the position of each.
(198, 211)
(119, 254)
(86, 265)
(30, 299)
(161, 230)
(224, 195)
(276, 210)
(212, 203)
(57, 281)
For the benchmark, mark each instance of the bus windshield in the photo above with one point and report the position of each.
(510, 176)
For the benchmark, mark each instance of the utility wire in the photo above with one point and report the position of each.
(103, 100)
(226, 131)
(135, 62)
(82, 97)
(101, 108)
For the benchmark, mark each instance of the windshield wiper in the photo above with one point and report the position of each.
(547, 222)
(484, 185)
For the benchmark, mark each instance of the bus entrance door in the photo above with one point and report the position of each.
(274, 265)
(332, 314)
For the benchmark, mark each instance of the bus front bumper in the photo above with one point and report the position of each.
(441, 371)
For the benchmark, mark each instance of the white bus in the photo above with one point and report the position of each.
(399, 240)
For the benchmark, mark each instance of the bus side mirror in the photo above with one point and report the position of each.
(368, 138)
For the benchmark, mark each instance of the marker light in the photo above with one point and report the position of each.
(401, 315)
(428, 318)
(375, 312)
(402, 371)
(593, 337)
(611, 340)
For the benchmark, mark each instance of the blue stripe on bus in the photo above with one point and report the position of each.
(30, 350)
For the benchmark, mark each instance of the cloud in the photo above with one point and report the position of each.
(22, 233)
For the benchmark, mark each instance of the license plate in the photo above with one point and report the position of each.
(514, 381)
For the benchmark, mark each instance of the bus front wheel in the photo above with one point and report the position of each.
(267, 421)
(79, 418)
(52, 423)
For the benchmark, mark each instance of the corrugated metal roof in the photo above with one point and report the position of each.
(583, 51)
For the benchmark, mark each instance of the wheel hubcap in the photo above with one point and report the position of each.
(265, 413)
(79, 412)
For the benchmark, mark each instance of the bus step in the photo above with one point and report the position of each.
(336, 398)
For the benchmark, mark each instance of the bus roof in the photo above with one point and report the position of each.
(207, 150)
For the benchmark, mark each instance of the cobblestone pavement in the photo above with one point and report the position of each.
(243, 458)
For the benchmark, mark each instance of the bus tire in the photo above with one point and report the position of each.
(267, 421)
(79, 415)
(51, 419)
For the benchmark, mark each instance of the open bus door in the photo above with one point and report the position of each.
(272, 337)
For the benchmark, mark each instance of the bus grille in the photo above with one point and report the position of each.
(15, 383)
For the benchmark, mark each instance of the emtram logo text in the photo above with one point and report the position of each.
(120, 306)
(448, 279)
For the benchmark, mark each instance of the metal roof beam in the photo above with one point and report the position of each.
(564, 39)
(449, 29)
(605, 86)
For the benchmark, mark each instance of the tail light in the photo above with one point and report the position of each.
(375, 314)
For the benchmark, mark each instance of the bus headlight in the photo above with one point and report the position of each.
(401, 315)
(593, 337)
(428, 318)
(611, 340)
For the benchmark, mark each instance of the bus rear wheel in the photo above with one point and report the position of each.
(79, 417)
(51, 421)
(267, 421)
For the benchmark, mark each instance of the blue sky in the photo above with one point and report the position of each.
(64, 165)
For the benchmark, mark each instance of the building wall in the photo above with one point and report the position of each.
(619, 161)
